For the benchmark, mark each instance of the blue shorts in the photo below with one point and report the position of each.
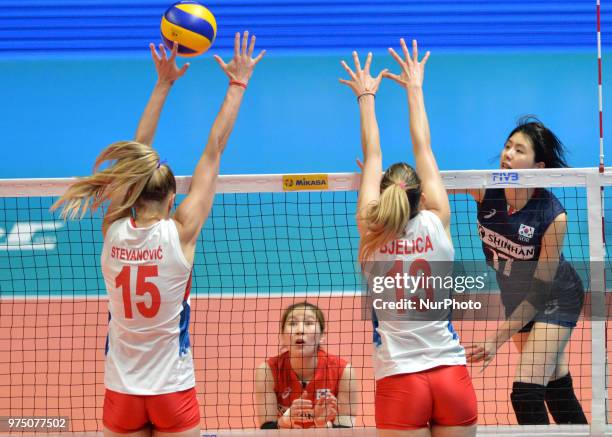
(563, 310)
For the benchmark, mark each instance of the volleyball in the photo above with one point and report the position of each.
(191, 25)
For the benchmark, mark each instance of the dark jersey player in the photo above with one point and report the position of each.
(522, 232)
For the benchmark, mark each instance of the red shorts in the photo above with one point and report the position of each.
(170, 412)
(440, 396)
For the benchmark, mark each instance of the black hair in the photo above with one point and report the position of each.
(547, 147)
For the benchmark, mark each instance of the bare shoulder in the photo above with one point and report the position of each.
(349, 372)
(264, 367)
(263, 371)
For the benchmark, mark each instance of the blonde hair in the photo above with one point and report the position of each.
(135, 172)
(385, 220)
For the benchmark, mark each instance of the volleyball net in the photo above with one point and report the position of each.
(270, 241)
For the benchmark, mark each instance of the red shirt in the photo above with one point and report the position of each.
(288, 386)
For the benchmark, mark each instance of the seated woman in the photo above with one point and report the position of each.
(305, 387)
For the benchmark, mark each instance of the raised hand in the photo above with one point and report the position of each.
(241, 67)
(412, 71)
(361, 81)
(167, 70)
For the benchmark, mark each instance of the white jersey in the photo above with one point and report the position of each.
(414, 339)
(148, 281)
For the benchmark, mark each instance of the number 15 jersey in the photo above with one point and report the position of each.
(148, 281)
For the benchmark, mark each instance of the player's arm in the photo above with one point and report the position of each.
(265, 398)
(552, 246)
(411, 79)
(349, 398)
(365, 87)
(193, 211)
(477, 194)
(539, 293)
(267, 404)
(167, 73)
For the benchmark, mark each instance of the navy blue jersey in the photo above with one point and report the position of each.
(512, 241)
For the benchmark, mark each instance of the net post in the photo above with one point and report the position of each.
(598, 323)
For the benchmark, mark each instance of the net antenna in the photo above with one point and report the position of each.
(600, 93)
(598, 329)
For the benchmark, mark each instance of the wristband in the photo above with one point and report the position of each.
(238, 83)
(269, 425)
(367, 93)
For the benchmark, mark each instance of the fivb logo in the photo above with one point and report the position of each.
(505, 178)
(30, 236)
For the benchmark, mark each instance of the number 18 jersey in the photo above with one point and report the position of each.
(148, 281)
(413, 340)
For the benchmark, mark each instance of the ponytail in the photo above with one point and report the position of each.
(387, 219)
(131, 175)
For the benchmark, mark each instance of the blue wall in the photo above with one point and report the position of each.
(76, 74)
(106, 27)
(296, 117)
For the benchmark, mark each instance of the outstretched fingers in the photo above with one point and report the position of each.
(405, 49)
(222, 64)
(162, 52)
(237, 45)
(366, 69)
(415, 51)
(240, 67)
(425, 58)
(356, 60)
(259, 56)
(154, 53)
(245, 42)
(348, 70)
(397, 57)
(252, 47)
(173, 52)
(183, 69)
